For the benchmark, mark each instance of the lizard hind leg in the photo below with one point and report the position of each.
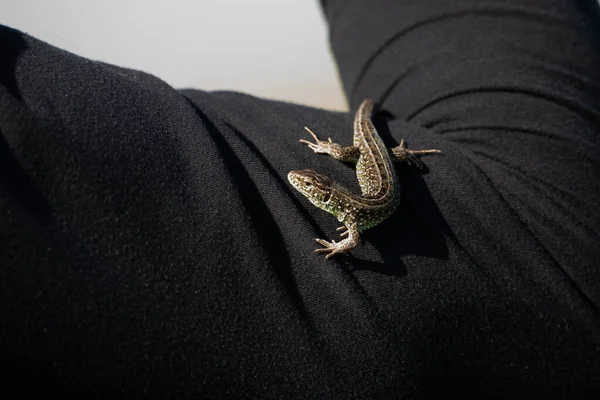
(401, 153)
(348, 153)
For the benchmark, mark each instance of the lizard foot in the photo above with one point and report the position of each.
(341, 228)
(331, 247)
(320, 146)
(351, 241)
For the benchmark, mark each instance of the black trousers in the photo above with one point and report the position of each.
(151, 246)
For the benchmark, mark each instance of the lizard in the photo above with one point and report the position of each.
(376, 177)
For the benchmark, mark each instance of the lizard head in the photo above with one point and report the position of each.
(316, 187)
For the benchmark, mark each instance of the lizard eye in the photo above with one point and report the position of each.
(307, 183)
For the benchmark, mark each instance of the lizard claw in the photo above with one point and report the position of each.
(341, 228)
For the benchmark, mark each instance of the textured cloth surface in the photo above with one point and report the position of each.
(151, 246)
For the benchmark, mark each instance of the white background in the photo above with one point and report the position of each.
(269, 48)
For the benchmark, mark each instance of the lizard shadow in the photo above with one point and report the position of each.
(416, 228)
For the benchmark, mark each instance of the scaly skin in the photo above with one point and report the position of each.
(375, 173)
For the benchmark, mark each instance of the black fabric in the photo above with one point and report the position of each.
(151, 246)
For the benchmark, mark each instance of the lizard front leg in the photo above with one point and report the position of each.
(348, 153)
(351, 241)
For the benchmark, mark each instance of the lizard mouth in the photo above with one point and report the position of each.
(295, 178)
(292, 177)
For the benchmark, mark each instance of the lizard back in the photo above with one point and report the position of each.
(374, 171)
